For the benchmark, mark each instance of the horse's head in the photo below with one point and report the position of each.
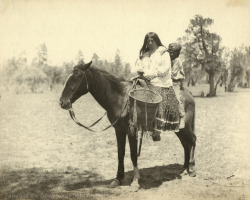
(75, 86)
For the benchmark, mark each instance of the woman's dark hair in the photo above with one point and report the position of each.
(145, 48)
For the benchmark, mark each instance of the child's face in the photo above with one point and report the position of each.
(174, 55)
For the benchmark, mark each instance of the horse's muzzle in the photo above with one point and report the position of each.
(65, 104)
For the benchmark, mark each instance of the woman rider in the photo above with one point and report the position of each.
(156, 66)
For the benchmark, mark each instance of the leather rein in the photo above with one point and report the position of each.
(72, 114)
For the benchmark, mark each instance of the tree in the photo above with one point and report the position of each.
(42, 53)
(238, 69)
(54, 75)
(33, 78)
(117, 68)
(247, 68)
(248, 77)
(127, 70)
(67, 68)
(10, 68)
(79, 57)
(95, 59)
(203, 49)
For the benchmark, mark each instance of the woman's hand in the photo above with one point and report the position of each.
(150, 77)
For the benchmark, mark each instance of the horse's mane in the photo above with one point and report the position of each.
(114, 82)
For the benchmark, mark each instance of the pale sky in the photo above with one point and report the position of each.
(103, 26)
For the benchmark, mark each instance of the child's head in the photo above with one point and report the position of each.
(174, 50)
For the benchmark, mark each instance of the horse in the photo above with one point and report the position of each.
(112, 94)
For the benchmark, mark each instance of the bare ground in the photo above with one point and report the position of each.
(44, 155)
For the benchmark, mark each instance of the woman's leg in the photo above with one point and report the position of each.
(177, 90)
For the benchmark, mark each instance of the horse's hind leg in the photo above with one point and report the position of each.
(191, 167)
(188, 141)
(133, 153)
(121, 141)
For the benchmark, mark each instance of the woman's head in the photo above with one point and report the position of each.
(151, 41)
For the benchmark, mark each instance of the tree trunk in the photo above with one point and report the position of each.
(248, 77)
(33, 86)
(194, 81)
(232, 84)
(207, 79)
(212, 91)
(217, 83)
(189, 80)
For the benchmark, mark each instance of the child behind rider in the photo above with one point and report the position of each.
(177, 76)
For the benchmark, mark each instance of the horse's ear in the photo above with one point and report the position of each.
(85, 66)
(88, 64)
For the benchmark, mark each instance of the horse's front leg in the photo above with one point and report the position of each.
(133, 152)
(121, 141)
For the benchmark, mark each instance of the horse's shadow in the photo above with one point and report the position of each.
(155, 176)
(150, 177)
(37, 181)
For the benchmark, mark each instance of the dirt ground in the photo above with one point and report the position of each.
(45, 155)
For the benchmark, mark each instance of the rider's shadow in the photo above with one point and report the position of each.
(154, 176)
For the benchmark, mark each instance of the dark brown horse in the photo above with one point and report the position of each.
(112, 94)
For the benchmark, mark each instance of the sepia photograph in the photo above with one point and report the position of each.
(136, 99)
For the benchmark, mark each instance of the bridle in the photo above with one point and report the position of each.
(71, 111)
(83, 76)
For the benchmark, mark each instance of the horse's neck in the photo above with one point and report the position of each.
(100, 89)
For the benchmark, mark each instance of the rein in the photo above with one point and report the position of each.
(72, 114)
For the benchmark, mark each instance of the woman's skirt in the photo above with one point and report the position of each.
(167, 116)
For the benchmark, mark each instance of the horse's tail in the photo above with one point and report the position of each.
(193, 122)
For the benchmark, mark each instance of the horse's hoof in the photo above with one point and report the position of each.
(134, 187)
(115, 183)
(184, 173)
(191, 170)
(192, 174)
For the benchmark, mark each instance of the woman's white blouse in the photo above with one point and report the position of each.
(157, 64)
